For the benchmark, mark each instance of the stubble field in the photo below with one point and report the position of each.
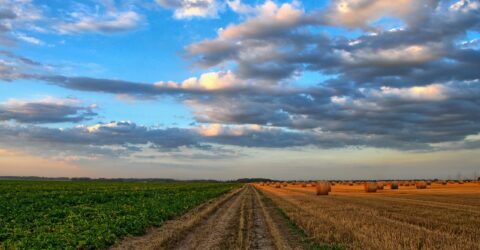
(439, 217)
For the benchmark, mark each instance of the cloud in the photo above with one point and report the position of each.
(410, 117)
(401, 55)
(207, 81)
(14, 67)
(23, 60)
(18, 15)
(109, 21)
(225, 83)
(465, 5)
(269, 47)
(262, 46)
(127, 138)
(7, 14)
(98, 140)
(186, 9)
(238, 7)
(361, 13)
(45, 111)
(24, 20)
(404, 117)
(433, 92)
(29, 39)
(414, 87)
(270, 19)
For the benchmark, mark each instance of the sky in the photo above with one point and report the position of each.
(226, 89)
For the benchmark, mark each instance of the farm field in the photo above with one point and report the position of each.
(96, 215)
(91, 215)
(439, 217)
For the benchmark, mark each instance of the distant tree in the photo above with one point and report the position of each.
(247, 180)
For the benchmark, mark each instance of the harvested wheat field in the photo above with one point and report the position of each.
(437, 217)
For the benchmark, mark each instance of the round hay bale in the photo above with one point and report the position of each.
(323, 188)
(421, 185)
(370, 187)
(429, 183)
(304, 184)
(394, 185)
(380, 185)
(407, 184)
(350, 184)
(277, 185)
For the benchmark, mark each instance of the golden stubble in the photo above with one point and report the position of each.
(439, 217)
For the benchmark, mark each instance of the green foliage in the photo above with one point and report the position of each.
(91, 215)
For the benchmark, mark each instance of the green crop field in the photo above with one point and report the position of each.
(91, 215)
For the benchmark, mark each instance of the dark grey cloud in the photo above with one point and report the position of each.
(418, 115)
(127, 138)
(44, 112)
(102, 139)
(147, 90)
(21, 59)
(101, 85)
(7, 14)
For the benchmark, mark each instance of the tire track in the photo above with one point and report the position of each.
(218, 230)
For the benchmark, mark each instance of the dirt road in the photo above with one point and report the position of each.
(240, 220)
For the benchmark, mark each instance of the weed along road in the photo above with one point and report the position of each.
(243, 219)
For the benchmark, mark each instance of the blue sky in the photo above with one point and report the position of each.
(201, 88)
